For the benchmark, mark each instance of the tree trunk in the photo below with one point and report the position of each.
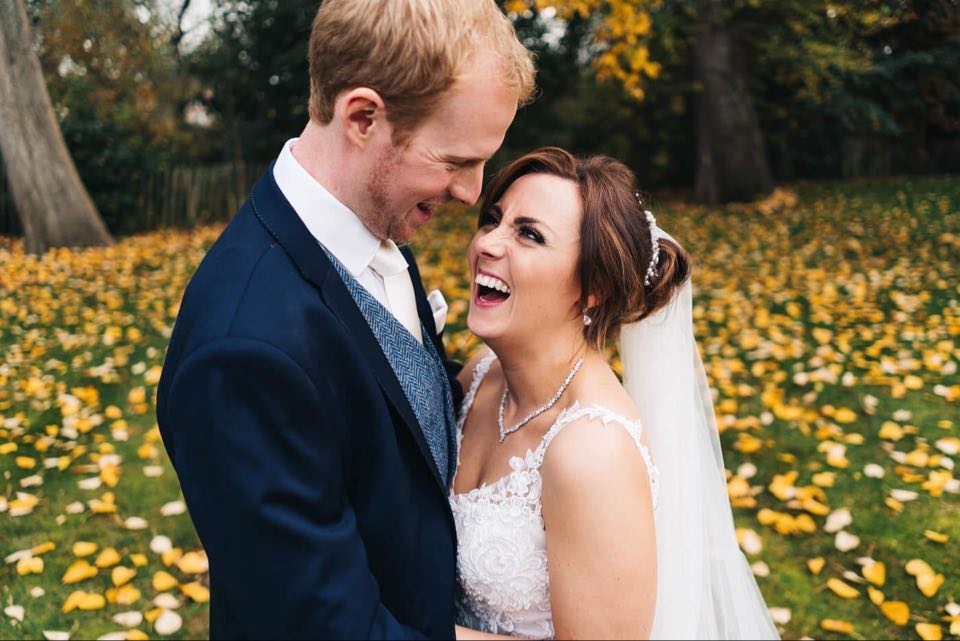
(55, 209)
(732, 164)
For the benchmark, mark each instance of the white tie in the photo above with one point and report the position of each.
(390, 264)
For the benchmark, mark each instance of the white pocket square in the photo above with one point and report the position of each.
(439, 307)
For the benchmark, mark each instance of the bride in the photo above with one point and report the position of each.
(587, 508)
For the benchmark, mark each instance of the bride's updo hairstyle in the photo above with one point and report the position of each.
(615, 239)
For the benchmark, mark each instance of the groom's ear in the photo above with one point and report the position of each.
(362, 114)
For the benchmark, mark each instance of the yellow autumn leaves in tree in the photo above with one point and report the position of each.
(620, 31)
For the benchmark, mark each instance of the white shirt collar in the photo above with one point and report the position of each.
(331, 222)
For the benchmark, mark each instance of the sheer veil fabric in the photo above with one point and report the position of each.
(705, 588)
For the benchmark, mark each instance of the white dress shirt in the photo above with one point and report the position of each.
(331, 222)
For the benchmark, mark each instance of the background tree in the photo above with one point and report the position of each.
(255, 67)
(120, 96)
(53, 205)
(731, 157)
(731, 161)
(866, 87)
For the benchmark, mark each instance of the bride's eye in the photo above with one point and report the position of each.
(532, 234)
(487, 219)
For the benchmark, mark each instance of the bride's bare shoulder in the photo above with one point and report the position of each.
(598, 445)
(601, 388)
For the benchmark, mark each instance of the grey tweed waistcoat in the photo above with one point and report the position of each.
(418, 368)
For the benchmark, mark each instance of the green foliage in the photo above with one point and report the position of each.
(841, 89)
(116, 88)
(255, 65)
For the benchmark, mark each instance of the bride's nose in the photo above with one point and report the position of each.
(491, 244)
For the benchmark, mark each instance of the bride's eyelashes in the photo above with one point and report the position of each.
(531, 233)
(491, 218)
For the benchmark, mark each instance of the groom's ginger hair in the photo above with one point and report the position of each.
(410, 52)
(615, 247)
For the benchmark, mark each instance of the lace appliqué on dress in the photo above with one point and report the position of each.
(502, 552)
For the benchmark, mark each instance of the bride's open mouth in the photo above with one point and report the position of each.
(491, 290)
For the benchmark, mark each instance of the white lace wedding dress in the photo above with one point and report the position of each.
(502, 546)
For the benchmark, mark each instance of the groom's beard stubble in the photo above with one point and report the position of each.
(379, 220)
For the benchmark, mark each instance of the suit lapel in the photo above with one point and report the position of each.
(283, 223)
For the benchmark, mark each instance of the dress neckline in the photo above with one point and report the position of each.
(533, 457)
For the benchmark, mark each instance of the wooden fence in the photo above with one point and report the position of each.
(190, 196)
(175, 196)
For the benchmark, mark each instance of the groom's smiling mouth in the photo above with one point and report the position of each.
(491, 290)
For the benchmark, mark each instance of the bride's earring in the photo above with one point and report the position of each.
(586, 319)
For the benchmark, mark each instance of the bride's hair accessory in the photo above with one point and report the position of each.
(654, 242)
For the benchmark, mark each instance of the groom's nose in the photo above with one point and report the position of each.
(467, 184)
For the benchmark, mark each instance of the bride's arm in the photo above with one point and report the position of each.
(601, 542)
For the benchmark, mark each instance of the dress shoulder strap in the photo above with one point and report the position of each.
(606, 415)
(481, 369)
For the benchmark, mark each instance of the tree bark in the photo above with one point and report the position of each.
(54, 208)
(732, 164)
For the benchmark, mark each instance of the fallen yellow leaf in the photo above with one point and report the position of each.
(916, 567)
(30, 565)
(196, 592)
(78, 571)
(896, 611)
(193, 563)
(929, 631)
(834, 625)
(842, 589)
(163, 581)
(108, 558)
(815, 565)
(85, 601)
(171, 556)
(929, 584)
(125, 595)
(122, 575)
(875, 573)
(43, 548)
(84, 548)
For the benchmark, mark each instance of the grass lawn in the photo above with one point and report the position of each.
(829, 321)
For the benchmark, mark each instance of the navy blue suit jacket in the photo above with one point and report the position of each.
(303, 466)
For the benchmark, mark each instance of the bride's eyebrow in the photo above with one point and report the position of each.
(528, 220)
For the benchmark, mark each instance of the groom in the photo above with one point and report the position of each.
(304, 402)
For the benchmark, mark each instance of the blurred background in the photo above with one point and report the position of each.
(806, 153)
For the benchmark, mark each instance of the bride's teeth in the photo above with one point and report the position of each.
(492, 283)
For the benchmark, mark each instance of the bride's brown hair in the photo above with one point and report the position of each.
(615, 241)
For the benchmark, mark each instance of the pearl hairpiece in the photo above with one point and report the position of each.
(654, 242)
